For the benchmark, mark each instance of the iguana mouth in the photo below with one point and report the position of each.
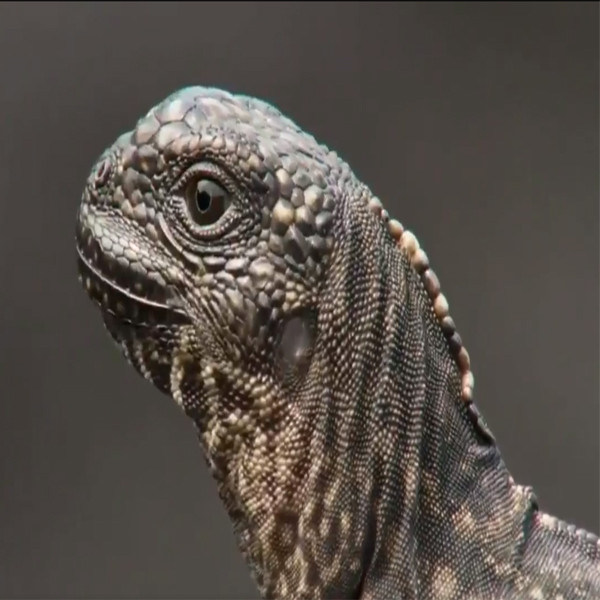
(114, 289)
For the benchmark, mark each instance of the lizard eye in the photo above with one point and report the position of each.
(207, 201)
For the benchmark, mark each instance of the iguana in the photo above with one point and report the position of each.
(245, 271)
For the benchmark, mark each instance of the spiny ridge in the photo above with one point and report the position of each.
(409, 244)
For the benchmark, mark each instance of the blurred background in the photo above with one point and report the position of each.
(477, 125)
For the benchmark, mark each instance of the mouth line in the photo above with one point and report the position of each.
(123, 304)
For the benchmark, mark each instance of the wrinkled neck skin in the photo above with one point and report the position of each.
(398, 494)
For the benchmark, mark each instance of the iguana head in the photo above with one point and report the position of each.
(244, 270)
(210, 223)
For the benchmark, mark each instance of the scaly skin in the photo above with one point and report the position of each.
(245, 271)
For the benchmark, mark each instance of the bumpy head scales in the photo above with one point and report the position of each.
(150, 254)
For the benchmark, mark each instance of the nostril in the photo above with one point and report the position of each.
(102, 172)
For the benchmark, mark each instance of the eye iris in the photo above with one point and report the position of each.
(207, 201)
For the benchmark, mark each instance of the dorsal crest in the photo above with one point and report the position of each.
(408, 243)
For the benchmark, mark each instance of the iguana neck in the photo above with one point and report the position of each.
(436, 508)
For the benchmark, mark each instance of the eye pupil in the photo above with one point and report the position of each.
(203, 200)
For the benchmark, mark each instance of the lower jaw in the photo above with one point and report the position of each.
(145, 332)
(149, 349)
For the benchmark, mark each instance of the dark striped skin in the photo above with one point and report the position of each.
(245, 271)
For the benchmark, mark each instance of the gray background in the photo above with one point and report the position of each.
(478, 127)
